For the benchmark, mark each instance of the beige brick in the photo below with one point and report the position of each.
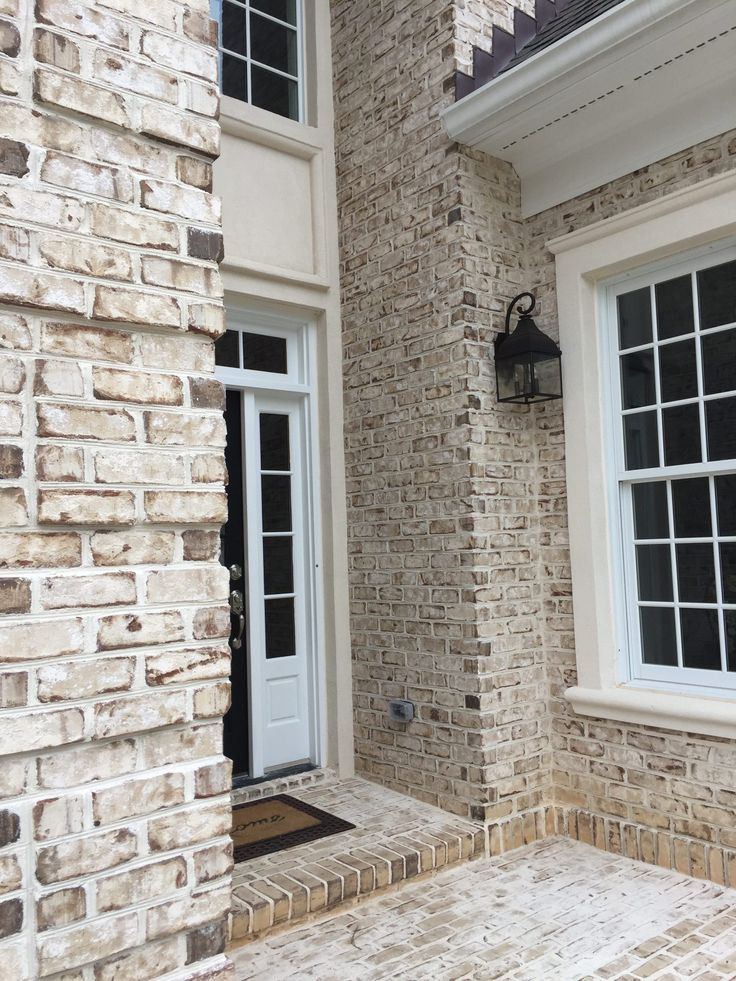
(191, 59)
(211, 701)
(105, 589)
(144, 962)
(86, 507)
(45, 290)
(138, 797)
(132, 306)
(81, 679)
(210, 623)
(60, 908)
(11, 419)
(52, 210)
(83, 342)
(15, 243)
(55, 817)
(134, 76)
(133, 228)
(138, 467)
(86, 177)
(139, 713)
(14, 332)
(191, 664)
(187, 202)
(213, 862)
(13, 508)
(133, 386)
(77, 18)
(86, 258)
(183, 914)
(58, 378)
(40, 730)
(85, 856)
(90, 942)
(177, 353)
(184, 429)
(85, 422)
(78, 766)
(82, 97)
(11, 875)
(45, 639)
(132, 547)
(174, 274)
(186, 507)
(59, 463)
(207, 318)
(194, 825)
(27, 550)
(15, 596)
(153, 881)
(56, 49)
(12, 375)
(13, 689)
(182, 585)
(201, 546)
(139, 630)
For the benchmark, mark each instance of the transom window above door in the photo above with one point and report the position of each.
(674, 394)
(260, 43)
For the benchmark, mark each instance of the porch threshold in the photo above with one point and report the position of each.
(395, 839)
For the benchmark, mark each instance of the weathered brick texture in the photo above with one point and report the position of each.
(114, 852)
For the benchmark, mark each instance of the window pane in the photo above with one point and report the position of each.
(674, 307)
(701, 646)
(730, 622)
(654, 565)
(696, 580)
(635, 318)
(691, 504)
(677, 371)
(274, 92)
(726, 502)
(226, 349)
(283, 9)
(233, 28)
(278, 570)
(658, 637)
(717, 292)
(719, 362)
(681, 435)
(280, 633)
(728, 572)
(262, 352)
(637, 379)
(651, 519)
(274, 441)
(720, 415)
(642, 442)
(276, 502)
(272, 44)
(234, 78)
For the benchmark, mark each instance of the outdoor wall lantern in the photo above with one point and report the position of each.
(528, 363)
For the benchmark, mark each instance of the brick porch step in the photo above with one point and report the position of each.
(395, 839)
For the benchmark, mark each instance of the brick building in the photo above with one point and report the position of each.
(246, 502)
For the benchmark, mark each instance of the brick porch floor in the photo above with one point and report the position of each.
(556, 910)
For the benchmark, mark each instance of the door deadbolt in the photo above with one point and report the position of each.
(236, 572)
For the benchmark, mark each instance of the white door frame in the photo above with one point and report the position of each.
(295, 387)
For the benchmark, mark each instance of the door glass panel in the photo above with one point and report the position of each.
(274, 430)
(280, 632)
(651, 518)
(719, 362)
(701, 646)
(276, 502)
(717, 291)
(226, 349)
(658, 637)
(263, 352)
(637, 379)
(635, 318)
(278, 570)
(674, 300)
(691, 504)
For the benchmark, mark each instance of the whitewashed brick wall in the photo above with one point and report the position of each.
(114, 807)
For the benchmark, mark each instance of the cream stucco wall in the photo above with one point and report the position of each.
(276, 178)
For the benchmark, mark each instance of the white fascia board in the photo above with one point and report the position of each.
(572, 58)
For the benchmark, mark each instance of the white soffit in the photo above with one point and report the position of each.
(645, 79)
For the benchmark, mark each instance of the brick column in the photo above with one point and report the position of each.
(114, 817)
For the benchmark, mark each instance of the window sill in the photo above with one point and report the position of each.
(702, 714)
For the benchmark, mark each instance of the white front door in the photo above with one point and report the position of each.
(277, 524)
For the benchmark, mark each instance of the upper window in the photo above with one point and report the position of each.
(674, 401)
(260, 53)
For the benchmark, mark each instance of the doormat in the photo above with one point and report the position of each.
(275, 823)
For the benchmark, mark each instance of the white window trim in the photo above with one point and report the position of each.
(687, 219)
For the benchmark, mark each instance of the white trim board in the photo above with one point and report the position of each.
(636, 84)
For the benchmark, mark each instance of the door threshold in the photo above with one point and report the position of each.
(243, 780)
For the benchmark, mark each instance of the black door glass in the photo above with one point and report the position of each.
(642, 442)
(674, 301)
(278, 569)
(730, 623)
(678, 376)
(728, 571)
(691, 504)
(274, 93)
(701, 645)
(635, 318)
(272, 44)
(696, 579)
(274, 429)
(720, 417)
(717, 292)
(637, 379)
(234, 77)
(726, 504)
(651, 519)
(681, 435)
(280, 633)
(654, 565)
(262, 352)
(658, 637)
(233, 28)
(276, 502)
(282, 9)
(226, 349)
(719, 362)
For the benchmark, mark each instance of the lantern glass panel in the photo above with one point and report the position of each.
(514, 379)
(547, 377)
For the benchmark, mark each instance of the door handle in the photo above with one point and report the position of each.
(236, 608)
(236, 643)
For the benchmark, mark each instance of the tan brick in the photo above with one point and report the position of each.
(87, 943)
(184, 429)
(80, 341)
(201, 546)
(15, 596)
(77, 18)
(183, 914)
(87, 764)
(55, 817)
(139, 713)
(84, 856)
(139, 630)
(191, 664)
(104, 589)
(13, 508)
(40, 730)
(60, 908)
(12, 464)
(211, 701)
(134, 386)
(11, 419)
(186, 507)
(133, 228)
(153, 881)
(86, 258)
(45, 639)
(14, 332)
(58, 378)
(81, 679)
(59, 463)
(181, 585)
(132, 547)
(87, 177)
(191, 59)
(138, 797)
(86, 507)
(186, 202)
(85, 422)
(56, 49)
(82, 97)
(11, 875)
(177, 353)
(133, 76)
(132, 306)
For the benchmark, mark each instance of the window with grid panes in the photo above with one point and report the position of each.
(674, 389)
(260, 53)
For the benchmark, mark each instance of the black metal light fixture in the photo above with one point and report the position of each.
(528, 363)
